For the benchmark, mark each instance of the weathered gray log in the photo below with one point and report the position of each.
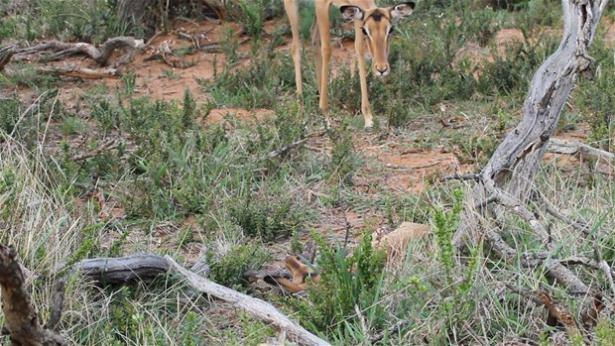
(123, 269)
(21, 319)
(254, 306)
(510, 172)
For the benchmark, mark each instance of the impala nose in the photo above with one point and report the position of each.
(382, 70)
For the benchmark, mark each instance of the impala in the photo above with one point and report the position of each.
(373, 28)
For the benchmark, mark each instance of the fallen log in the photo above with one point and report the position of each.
(122, 270)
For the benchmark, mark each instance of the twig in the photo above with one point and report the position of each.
(580, 226)
(518, 208)
(108, 145)
(285, 149)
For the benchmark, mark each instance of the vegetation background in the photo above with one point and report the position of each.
(188, 171)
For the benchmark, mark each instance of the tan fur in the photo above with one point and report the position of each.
(377, 44)
(396, 243)
(300, 272)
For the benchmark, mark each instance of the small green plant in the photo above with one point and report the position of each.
(268, 220)
(344, 162)
(10, 110)
(189, 109)
(445, 227)
(170, 74)
(347, 284)
(129, 81)
(228, 268)
(230, 47)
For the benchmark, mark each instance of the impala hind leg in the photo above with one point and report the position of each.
(292, 11)
(359, 44)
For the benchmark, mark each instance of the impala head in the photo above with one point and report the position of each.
(377, 25)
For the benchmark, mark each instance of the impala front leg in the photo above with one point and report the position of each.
(359, 45)
(322, 21)
(292, 12)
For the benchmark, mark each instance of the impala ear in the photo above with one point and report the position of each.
(401, 10)
(350, 13)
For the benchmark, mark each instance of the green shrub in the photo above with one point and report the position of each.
(344, 161)
(10, 110)
(228, 268)
(346, 283)
(268, 220)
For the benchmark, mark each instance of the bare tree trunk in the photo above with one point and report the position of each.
(509, 175)
(507, 181)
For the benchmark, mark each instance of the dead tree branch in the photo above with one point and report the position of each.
(61, 50)
(20, 316)
(104, 271)
(122, 270)
(515, 162)
(80, 72)
(567, 147)
(509, 175)
(256, 307)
